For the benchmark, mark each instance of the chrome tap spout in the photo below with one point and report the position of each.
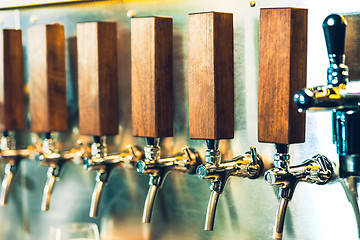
(10, 169)
(101, 180)
(211, 210)
(280, 218)
(149, 203)
(351, 185)
(52, 174)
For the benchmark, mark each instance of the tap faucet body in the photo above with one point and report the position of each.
(248, 165)
(49, 155)
(102, 162)
(345, 105)
(317, 170)
(335, 96)
(157, 168)
(12, 158)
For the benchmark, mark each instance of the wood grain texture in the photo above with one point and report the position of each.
(151, 76)
(352, 45)
(98, 78)
(12, 95)
(211, 75)
(282, 72)
(46, 52)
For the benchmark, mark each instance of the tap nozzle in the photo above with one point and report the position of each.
(317, 170)
(101, 180)
(249, 165)
(157, 168)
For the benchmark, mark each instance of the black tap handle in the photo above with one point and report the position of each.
(334, 27)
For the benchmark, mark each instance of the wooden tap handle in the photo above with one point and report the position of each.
(12, 95)
(98, 78)
(48, 109)
(151, 76)
(211, 75)
(282, 72)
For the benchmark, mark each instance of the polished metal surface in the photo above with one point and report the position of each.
(246, 209)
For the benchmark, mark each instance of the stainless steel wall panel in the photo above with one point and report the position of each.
(247, 208)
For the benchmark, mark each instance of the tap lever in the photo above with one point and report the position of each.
(254, 155)
(334, 27)
(47, 78)
(97, 78)
(12, 82)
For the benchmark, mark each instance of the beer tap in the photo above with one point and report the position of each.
(103, 163)
(48, 107)
(158, 167)
(317, 170)
(335, 94)
(152, 103)
(12, 107)
(338, 96)
(211, 103)
(98, 103)
(278, 119)
(249, 165)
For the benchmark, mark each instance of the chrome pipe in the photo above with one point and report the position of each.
(211, 210)
(45, 204)
(350, 185)
(5, 185)
(149, 203)
(95, 199)
(280, 218)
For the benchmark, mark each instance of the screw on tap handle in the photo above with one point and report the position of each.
(47, 78)
(211, 76)
(334, 27)
(151, 76)
(278, 119)
(97, 78)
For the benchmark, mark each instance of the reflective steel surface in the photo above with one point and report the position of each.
(247, 208)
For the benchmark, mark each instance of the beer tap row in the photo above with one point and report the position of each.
(282, 100)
